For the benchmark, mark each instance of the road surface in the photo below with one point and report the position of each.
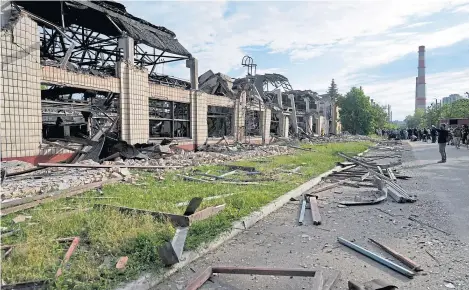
(278, 240)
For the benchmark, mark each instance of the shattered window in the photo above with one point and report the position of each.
(181, 111)
(169, 119)
(252, 123)
(274, 124)
(219, 121)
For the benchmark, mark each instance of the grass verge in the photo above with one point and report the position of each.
(108, 234)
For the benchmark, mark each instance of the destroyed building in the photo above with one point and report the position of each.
(83, 72)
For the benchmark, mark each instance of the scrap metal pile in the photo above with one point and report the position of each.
(373, 178)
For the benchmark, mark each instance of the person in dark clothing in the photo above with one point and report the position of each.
(409, 133)
(442, 139)
(425, 134)
(465, 134)
(433, 134)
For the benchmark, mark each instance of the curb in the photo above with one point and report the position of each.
(149, 281)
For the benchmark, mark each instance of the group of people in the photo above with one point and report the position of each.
(452, 136)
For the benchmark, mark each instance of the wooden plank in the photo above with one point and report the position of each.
(67, 256)
(264, 271)
(105, 166)
(206, 213)
(175, 219)
(29, 202)
(196, 283)
(315, 214)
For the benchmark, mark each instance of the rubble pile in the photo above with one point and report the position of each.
(230, 153)
(52, 179)
(336, 139)
(55, 178)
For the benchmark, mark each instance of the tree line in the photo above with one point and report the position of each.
(435, 112)
(357, 113)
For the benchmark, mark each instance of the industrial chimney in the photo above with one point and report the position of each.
(420, 90)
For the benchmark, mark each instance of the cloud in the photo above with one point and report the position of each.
(304, 30)
(418, 24)
(336, 39)
(400, 93)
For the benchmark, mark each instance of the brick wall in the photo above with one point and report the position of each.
(199, 117)
(134, 103)
(58, 76)
(266, 117)
(219, 101)
(20, 96)
(169, 93)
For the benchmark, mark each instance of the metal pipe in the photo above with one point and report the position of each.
(377, 258)
(302, 212)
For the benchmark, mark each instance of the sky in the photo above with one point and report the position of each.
(373, 44)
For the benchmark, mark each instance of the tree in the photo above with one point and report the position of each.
(333, 92)
(457, 109)
(379, 117)
(355, 112)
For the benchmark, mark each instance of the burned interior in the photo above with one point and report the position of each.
(219, 121)
(169, 119)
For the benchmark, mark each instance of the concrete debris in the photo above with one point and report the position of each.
(20, 218)
(121, 263)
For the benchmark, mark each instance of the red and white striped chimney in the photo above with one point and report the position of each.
(420, 90)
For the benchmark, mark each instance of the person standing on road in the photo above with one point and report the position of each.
(442, 139)
(457, 133)
(465, 133)
(433, 133)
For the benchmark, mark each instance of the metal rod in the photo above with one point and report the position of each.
(377, 258)
(406, 261)
(302, 212)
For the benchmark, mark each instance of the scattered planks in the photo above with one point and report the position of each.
(33, 201)
(75, 165)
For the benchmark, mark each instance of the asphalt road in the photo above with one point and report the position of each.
(447, 182)
(438, 242)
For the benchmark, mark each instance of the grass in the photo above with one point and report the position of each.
(107, 234)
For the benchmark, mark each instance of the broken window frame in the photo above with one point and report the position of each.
(174, 123)
(249, 129)
(225, 114)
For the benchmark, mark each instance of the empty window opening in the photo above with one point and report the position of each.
(252, 123)
(69, 112)
(219, 121)
(169, 119)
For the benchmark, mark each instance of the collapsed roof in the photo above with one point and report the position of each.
(216, 84)
(102, 17)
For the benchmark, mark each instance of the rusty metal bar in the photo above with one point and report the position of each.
(264, 271)
(69, 253)
(315, 214)
(199, 280)
(408, 262)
